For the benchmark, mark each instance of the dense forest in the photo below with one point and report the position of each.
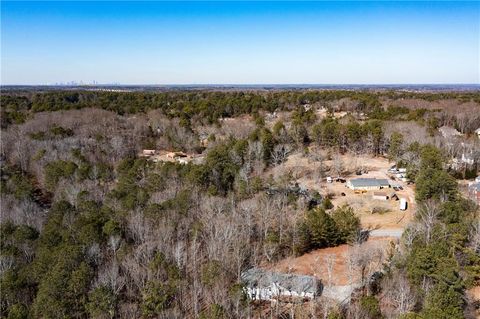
(91, 229)
(203, 105)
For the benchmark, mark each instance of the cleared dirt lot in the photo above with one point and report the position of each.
(343, 272)
(364, 205)
(306, 170)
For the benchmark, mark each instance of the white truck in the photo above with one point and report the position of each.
(403, 204)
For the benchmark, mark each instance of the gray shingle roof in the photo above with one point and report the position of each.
(256, 277)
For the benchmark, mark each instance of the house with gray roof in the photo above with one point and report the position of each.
(368, 184)
(262, 284)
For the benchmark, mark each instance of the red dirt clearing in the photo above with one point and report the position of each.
(315, 263)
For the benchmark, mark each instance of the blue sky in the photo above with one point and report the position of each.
(240, 42)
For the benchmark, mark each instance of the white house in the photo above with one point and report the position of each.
(465, 160)
(262, 284)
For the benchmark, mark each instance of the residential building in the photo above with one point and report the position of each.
(465, 160)
(262, 284)
(368, 184)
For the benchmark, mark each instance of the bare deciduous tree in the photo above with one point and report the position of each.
(338, 165)
(330, 264)
(475, 237)
(110, 276)
(399, 293)
(366, 259)
(427, 214)
(280, 153)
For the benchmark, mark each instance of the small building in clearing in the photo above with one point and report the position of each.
(262, 284)
(147, 153)
(175, 155)
(368, 184)
(178, 157)
(380, 196)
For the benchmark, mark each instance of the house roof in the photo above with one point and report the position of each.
(369, 182)
(379, 194)
(256, 277)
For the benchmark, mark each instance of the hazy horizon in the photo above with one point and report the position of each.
(231, 43)
(246, 84)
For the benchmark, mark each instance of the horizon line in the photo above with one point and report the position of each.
(245, 84)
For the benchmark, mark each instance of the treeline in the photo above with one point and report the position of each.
(351, 136)
(206, 105)
(434, 96)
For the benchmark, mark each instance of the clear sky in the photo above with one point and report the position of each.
(240, 42)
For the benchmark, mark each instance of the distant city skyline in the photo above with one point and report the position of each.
(233, 43)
